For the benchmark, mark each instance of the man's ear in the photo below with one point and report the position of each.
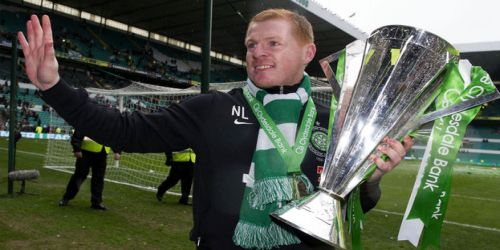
(310, 52)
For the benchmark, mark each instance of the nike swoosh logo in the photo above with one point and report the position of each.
(241, 123)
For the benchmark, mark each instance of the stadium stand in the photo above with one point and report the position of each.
(78, 40)
(74, 40)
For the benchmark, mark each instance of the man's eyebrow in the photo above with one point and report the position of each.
(265, 39)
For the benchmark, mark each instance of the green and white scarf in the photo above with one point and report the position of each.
(275, 169)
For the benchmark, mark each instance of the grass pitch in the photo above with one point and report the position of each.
(135, 220)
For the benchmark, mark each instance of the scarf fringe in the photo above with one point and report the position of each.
(275, 189)
(309, 185)
(248, 235)
(269, 190)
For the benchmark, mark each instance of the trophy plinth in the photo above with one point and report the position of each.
(319, 215)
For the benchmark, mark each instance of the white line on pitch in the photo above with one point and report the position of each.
(475, 198)
(455, 195)
(447, 222)
(24, 152)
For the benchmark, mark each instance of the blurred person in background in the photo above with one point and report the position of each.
(181, 169)
(89, 154)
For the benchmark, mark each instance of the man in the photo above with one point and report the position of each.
(181, 168)
(88, 154)
(235, 157)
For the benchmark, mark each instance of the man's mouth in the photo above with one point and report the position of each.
(262, 67)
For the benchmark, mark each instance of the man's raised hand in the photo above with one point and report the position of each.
(39, 55)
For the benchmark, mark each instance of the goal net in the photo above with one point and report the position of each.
(144, 171)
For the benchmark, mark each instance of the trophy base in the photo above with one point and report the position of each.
(318, 215)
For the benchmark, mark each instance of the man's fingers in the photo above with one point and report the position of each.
(396, 146)
(48, 43)
(37, 27)
(394, 155)
(24, 44)
(31, 35)
(395, 152)
(381, 164)
(48, 53)
(47, 30)
(38, 32)
(407, 142)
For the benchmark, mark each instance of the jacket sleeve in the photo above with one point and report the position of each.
(370, 194)
(76, 141)
(173, 128)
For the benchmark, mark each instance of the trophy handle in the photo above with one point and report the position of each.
(458, 107)
(330, 75)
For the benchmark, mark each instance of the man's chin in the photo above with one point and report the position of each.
(265, 83)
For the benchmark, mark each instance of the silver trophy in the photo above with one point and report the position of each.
(388, 84)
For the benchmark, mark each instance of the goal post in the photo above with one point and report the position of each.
(144, 171)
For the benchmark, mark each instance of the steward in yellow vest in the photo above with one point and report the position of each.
(182, 168)
(89, 154)
(181, 158)
(90, 145)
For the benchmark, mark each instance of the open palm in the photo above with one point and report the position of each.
(40, 60)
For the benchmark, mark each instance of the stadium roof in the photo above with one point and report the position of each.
(183, 20)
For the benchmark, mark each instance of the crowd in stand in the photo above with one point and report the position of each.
(134, 53)
(28, 118)
(33, 114)
(138, 58)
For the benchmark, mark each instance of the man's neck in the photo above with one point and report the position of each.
(283, 89)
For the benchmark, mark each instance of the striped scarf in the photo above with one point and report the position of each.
(268, 184)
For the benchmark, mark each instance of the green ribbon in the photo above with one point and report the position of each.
(445, 140)
(356, 217)
(292, 156)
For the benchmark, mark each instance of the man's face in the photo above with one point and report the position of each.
(274, 56)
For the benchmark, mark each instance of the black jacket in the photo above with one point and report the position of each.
(221, 130)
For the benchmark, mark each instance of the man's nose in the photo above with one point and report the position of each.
(260, 50)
